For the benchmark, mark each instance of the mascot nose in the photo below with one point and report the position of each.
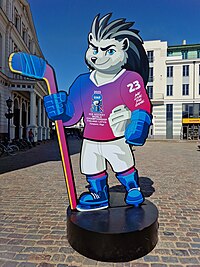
(94, 59)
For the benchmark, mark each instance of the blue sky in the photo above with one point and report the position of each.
(62, 27)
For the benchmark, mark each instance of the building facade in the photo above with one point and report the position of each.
(174, 90)
(17, 33)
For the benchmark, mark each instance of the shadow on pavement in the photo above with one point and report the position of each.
(48, 151)
(145, 185)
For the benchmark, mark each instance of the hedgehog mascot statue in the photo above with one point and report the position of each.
(115, 107)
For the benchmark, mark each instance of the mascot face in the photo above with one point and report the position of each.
(107, 55)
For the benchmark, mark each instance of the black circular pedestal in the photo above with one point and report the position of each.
(117, 234)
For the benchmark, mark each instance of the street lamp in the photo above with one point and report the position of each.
(9, 115)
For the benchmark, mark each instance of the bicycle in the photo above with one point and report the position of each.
(8, 148)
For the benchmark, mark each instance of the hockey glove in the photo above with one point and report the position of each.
(137, 131)
(58, 107)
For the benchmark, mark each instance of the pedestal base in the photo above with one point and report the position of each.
(117, 234)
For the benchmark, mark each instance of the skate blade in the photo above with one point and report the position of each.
(84, 208)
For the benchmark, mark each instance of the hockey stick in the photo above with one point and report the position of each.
(37, 68)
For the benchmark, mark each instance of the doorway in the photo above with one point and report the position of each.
(191, 131)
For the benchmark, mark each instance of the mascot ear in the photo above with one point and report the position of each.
(90, 37)
(125, 44)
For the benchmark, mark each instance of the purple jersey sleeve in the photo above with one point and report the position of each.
(134, 93)
(75, 99)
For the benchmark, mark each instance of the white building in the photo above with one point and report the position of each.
(17, 33)
(174, 89)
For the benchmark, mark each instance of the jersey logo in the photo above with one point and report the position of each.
(97, 105)
(134, 86)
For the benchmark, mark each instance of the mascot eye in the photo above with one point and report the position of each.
(110, 52)
(95, 52)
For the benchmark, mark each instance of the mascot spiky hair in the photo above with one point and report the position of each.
(120, 29)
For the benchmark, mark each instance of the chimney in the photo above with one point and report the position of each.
(184, 42)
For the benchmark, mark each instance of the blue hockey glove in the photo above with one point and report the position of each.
(58, 107)
(137, 131)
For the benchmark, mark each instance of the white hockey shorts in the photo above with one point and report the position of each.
(94, 155)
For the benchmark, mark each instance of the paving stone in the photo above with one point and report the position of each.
(46, 264)
(58, 257)
(194, 252)
(180, 252)
(34, 249)
(10, 264)
(182, 245)
(7, 255)
(27, 264)
(162, 251)
(158, 265)
(189, 260)
(169, 259)
(152, 258)
(22, 257)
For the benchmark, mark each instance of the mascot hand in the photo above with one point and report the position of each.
(137, 131)
(58, 107)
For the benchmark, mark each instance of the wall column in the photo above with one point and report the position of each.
(39, 120)
(47, 128)
(20, 119)
(44, 124)
(32, 124)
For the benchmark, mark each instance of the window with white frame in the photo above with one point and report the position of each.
(184, 54)
(17, 20)
(170, 71)
(151, 74)
(169, 90)
(150, 55)
(185, 89)
(23, 32)
(150, 91)
(185, 70)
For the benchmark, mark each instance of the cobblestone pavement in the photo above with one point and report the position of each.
(33, 203)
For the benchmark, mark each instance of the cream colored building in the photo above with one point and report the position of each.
(17, 33)
(174, 89)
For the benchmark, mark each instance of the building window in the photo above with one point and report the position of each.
(150, 56)
(150, 91)
(198, 53)
(23, 32)
(170, 71)
(17, 20)
(169, 53)
(169, 112)
(169, 121)
(191, 111)
(185, 89)
(184, 54)
(169, 90)
(185, 70)
(150, 74)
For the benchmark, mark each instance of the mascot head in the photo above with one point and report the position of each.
(114, 46)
